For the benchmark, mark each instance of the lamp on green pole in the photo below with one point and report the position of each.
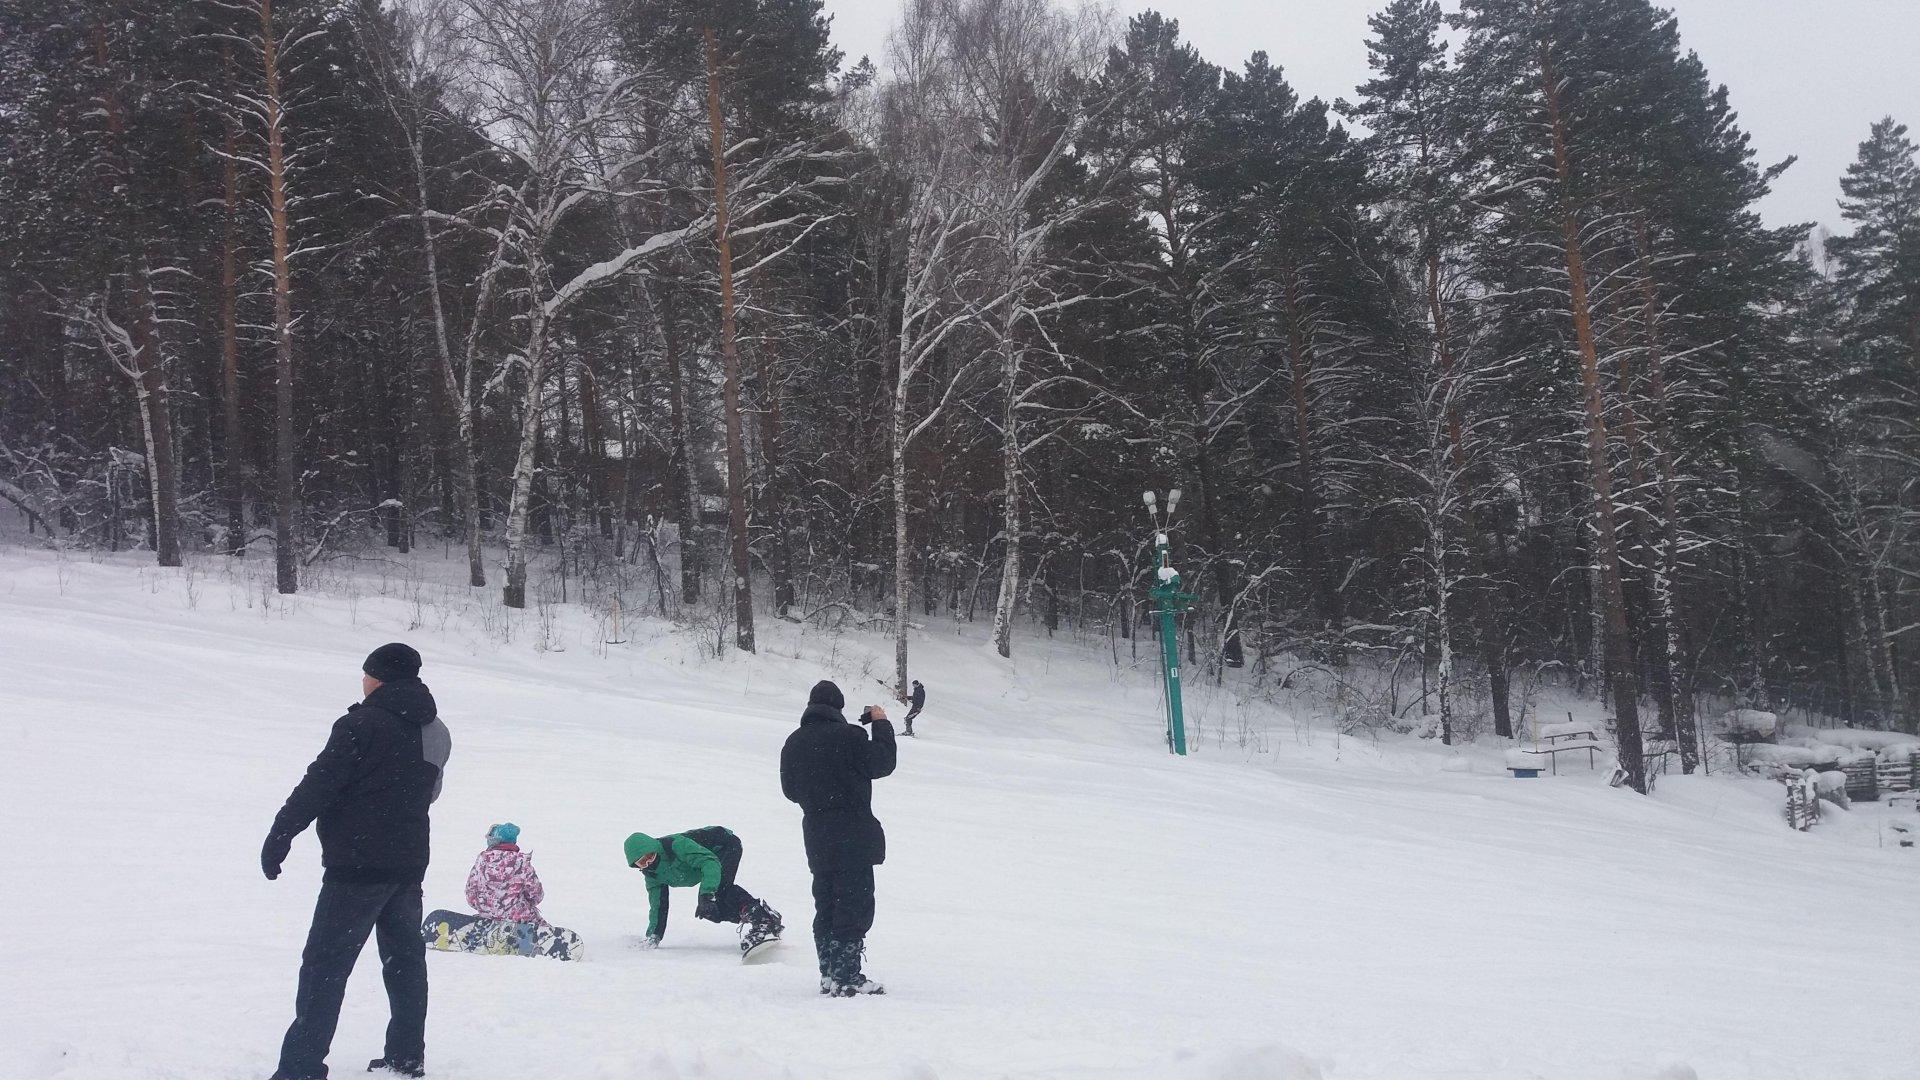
(1168, 602)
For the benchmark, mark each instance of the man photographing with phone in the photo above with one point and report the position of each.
(828, 766)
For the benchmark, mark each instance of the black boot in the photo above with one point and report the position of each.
(762, 915)
(823, 948)
(759, 924)
(846, 976)
(397, 1068)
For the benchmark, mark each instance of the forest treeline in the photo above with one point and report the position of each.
(1491, 365)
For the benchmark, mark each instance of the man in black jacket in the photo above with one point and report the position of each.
(915, 701)
(369, 790)
(828, 766)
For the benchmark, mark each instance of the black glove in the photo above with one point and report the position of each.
(272, 854)
(708, 909)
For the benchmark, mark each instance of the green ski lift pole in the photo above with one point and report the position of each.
(1168, 601)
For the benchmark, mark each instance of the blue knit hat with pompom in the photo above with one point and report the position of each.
(504, 833)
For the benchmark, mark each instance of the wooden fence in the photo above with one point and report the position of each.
(1803, 804)
(1870, 777)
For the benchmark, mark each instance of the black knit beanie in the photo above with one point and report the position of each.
(826, 693)
(392, 661)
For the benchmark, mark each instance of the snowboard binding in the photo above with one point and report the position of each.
(760, 928)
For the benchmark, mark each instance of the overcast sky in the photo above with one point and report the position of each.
(1807, 76)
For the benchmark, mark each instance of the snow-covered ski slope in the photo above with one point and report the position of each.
(1061, 899)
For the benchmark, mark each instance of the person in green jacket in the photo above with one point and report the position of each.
(708, 858)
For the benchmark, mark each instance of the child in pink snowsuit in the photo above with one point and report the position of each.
(502, 884)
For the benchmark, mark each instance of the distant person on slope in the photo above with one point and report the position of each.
(707, 858)
(370, 790)
(915, 703)
(828, 766)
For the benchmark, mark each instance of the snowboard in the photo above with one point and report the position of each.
(760, 952)
(454, 931)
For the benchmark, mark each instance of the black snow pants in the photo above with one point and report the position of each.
(842, 904)
(731, 898)
(344, 915)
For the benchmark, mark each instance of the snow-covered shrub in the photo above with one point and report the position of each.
(1886, 744)
(1799, 757)
(1831, 785)
(1749, 724)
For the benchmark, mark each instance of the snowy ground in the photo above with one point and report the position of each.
(1062, 899)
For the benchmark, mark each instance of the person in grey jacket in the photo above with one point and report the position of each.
(369, 791)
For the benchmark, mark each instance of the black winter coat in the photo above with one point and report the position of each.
(371, 786)
(828, 766)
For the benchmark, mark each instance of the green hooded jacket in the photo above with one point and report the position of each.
(683, 861)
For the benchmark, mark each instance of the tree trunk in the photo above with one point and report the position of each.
(1443, 630)
(774, 495)
(459, 407)
(1676, 701)
(593, 450)
(1871, 603)
(730, 363)
(514, 592)
(400, 453)
(1884, 655)
(1486, 613)
(685, 469)
(897, 472)
(1866, 667)
(236, 458)
(156, 416)
(902, 562)
(286, 561)
(1010, 505)
(1312, 547)
(1620, 671)
(1643, 533)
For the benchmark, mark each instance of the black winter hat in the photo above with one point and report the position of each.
(392, 661)
(826, 693)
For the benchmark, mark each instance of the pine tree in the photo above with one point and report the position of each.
(1282, 187)
(1874, 437)
(1162, 94)
(1877, 266)
(1547, 93)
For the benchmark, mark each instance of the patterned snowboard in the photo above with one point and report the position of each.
(454, 931)
(761, 953)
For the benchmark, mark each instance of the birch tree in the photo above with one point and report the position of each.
(542, 82)
(138, 349)
(1013, 71)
